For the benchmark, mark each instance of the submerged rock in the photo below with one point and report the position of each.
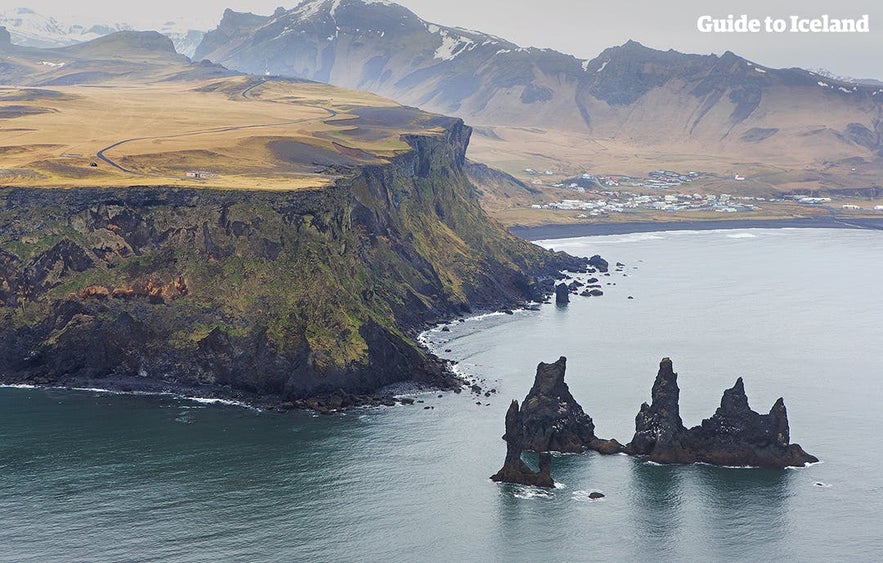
(514, 469)
(554, 421)
(734, 436)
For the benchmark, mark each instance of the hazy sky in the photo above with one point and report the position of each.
(581, 27)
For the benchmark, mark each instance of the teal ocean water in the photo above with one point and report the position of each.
(798, 313)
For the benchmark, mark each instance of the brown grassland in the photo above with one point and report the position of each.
(157, 132)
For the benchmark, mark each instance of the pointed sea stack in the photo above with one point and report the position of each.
(659, 432)
(554, 421)
(514, 469)
(734, 436)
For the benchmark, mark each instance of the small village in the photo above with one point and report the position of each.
(604, 195)
(620, 202)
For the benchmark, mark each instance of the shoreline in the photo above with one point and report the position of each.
(545, 232)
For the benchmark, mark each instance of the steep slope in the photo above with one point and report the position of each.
(629, 95)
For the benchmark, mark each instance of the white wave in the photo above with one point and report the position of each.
(727, 466)
(560, 485)
(105, 391)
(741, 235)
(201, 400)
(484, 316)
(531, 493)
(211, 401)
(807, 465)
(578, 242)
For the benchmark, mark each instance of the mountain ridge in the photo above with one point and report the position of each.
(629, 96)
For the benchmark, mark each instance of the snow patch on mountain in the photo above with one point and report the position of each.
(30, 29)
(452, 45)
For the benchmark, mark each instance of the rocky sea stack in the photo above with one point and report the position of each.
(554, 421)
(514, 469)
(734, 436)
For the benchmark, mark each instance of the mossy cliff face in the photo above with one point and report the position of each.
(254, 294)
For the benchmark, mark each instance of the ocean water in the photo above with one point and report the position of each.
(798, 313)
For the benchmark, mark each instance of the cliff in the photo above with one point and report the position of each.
(264, 296)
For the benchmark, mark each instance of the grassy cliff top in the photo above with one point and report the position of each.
(229, 132)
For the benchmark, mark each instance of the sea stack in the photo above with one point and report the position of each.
(734, 436)
(554, 421)
(562, 294)
(659, 431)
(514, 469)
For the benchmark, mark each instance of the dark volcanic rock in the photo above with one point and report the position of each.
(554, 421)
(734, 436)
(597, 262)
(562, 294)
(658, 427)
(514, 469)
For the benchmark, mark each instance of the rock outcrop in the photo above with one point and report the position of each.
(734, 436)
(554, 421)
(562, 294)
(514, 469)
(599, 263)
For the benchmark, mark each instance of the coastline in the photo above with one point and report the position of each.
(544, 232)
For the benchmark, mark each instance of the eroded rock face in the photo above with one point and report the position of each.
(735, 435)
(554, 421)
(514, 470)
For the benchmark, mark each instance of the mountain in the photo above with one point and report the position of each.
(30, 29)
(123, 55)
(565, 112)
